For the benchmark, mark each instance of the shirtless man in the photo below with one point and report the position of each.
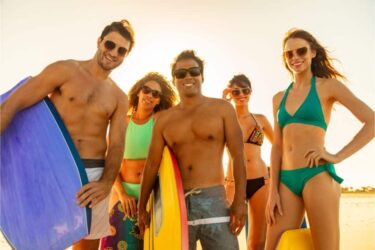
(87, 101)
(197, 131)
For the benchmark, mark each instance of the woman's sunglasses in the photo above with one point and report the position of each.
(181, 73)
(147, 90)
(300, 52)
(237, 92)
(109, 45)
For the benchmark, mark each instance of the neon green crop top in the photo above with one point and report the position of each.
(310, 112)
(138, 139)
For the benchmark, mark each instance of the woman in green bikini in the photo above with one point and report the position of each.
(148, 96)
(302, 173)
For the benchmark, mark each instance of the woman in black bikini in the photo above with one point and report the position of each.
(254, 127)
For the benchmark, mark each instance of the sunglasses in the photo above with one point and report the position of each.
(237, 92)
(300, 52)
(181, 73)
(109, 45)
(147, 90)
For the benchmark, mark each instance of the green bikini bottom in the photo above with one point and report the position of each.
(296, 179)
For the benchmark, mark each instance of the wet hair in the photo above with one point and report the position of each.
(188, 54)
(168, 96)
(321, 65)
(240, 80)
(124, 28)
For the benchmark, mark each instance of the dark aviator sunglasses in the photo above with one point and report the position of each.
(300, 52)
(181, 73)
(109, 45)
(147, 90)
(237, 92)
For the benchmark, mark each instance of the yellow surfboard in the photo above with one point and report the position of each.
(297, 239)
(168, 227)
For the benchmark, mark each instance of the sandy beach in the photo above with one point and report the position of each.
(357, 217)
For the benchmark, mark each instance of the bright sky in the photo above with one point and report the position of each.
(231, 36)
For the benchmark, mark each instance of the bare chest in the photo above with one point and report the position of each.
(85, 94)
(184, 128)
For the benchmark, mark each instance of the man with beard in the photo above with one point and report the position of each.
(87, 101)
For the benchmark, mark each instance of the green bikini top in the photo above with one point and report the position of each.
(138, 139)
(310, 112)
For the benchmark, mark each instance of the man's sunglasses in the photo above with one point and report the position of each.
(147, 90)
(237, 92)
(109, 45)
(181, 73)
(300, 52)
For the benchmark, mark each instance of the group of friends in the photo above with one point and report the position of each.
(122, 163)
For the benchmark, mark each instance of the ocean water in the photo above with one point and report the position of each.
(357, 224)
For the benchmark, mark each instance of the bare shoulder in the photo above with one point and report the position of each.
(330, 86)
(218, 103)
(161, 113)
(61, 68)
(117, 90)
(276, 99)
(165, 115)
(328, 83)
(260, 117)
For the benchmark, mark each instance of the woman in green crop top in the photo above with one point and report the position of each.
(254, 128)
(302, 173)
(148, 96)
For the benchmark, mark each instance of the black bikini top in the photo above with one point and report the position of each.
(256, 137)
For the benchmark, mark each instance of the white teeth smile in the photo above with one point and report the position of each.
(146, 101)
(109, 59)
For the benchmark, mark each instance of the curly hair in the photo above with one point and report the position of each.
(168, 97)
(321, 64)
(240, 80)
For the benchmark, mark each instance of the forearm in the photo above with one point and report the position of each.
(239, 174)
(148, 182)
(112, 164)
(120, 190)
(364, 136)
(6, 115)
(275, 168)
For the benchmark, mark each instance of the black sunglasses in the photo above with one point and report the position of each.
(147, 90)
(237, 92)
(109, 45)
(300, 52)
(181, 73)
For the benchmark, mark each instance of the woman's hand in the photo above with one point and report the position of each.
(129, 204)
(315, 157)
(273, 203)
(226, 94)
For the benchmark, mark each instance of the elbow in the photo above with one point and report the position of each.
(370, 123)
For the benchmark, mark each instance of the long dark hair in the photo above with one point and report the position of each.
(321, 65)
(168, 97)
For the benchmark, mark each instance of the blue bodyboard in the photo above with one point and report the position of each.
(40, 174)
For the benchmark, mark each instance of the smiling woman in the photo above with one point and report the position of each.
(147, 97)
(303, 176)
